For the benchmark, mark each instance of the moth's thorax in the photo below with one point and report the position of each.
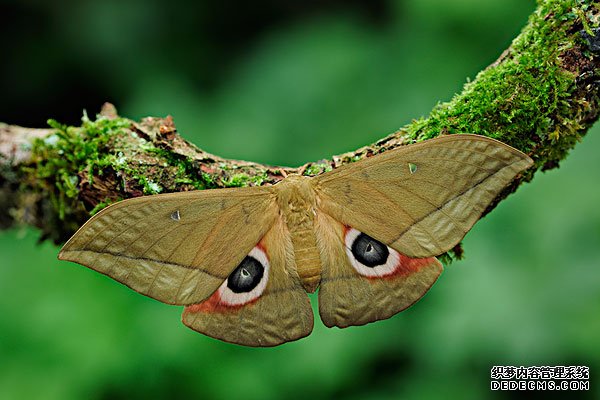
(297, 202)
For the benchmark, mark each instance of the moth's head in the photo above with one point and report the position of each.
(296, 189)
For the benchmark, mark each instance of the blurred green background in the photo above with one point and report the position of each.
(287, 83)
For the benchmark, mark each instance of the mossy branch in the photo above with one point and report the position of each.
(540, 96)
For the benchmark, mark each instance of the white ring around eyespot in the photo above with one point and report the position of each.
(379, 271)
(230, 298)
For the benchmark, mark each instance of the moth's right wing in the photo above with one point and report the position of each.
(403, 207)
(362, 284)
(423, 198)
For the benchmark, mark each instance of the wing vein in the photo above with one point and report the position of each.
(127, 257)
(451, 199)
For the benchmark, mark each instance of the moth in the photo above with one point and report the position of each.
(242, 260)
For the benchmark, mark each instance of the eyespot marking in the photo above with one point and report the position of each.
(412, 168)
(246, 276)
(247, 282)
(370, 257)
(175, 215)
(369, 251)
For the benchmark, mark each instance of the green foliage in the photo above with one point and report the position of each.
(181, 172)
(237, 180)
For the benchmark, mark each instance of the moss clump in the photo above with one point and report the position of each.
(317, 168)
(524, 99)
(80, 170)
(182, 173)
(104, 156)
(61, 157)
(243, 179)
(532, 97)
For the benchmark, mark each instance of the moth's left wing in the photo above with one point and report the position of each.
(223, 253)
(177, 247)
(272, 310)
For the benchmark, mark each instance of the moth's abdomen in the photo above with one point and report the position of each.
(297, 201)
(308, 261)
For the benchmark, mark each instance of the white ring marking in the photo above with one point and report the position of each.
(390, 266)
(230, 298)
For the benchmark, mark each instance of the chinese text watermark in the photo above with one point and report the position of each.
(508, 377)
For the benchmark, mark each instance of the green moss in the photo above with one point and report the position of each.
(243, 179)
(317, 168)
(184, 171)
(150, 187)
(236, 180)
(208, 180)
(530, 98)
(61, 157)
(99, 207)
(446, 258)
(258, 180)
(523, 98)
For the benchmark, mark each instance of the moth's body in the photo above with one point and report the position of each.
(242, 260)
(297, 203)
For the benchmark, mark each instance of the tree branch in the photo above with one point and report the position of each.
(540, 96)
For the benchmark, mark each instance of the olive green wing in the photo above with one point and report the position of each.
(381, 221)
(272, 309)
(356, 291)
(423, 198)
(177, 248)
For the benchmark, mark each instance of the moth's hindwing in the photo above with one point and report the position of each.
(262, 302)
(364, 280)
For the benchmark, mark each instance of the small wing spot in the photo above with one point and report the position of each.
(412, 167)
(175, 216)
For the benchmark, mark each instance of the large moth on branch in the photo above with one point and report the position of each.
(241, 260)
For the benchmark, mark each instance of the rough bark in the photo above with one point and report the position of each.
(541, 96)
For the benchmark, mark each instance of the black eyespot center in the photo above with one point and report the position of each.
(246, 276)
(369, 252)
